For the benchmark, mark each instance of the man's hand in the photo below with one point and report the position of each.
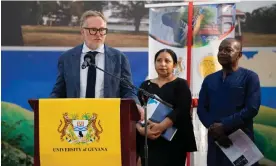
(224, 141)
(216, 130)
(141, 111)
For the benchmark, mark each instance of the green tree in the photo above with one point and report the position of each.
(261, 20)
(131, 10)
(11, 23)
(94, 5)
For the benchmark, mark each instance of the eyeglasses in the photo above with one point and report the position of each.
(93, 31)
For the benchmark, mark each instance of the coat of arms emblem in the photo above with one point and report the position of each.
(80, 130)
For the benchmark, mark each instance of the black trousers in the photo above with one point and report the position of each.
(160, 152)
(158, 159)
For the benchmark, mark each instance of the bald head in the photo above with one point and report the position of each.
(233, 42)
(229, 52)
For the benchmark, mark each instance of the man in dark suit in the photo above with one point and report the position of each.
(74, 82)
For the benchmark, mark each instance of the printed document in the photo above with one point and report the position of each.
(243, 152)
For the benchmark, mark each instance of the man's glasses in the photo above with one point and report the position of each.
(93, 31)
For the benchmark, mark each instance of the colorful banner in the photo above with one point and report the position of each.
(79, 132)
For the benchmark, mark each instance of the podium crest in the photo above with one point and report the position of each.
(82, 129)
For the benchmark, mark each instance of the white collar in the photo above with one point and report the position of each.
(85, 49)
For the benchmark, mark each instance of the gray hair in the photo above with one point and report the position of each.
(91, 13)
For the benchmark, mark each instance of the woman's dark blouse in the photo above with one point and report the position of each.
(178, 94)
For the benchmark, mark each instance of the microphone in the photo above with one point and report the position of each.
(87, 60)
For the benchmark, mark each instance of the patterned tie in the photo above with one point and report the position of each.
(91, 77)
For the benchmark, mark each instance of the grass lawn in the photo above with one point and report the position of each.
(70, 36)
(259, 40)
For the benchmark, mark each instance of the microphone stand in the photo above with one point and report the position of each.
(144, 92)
(134, 87)
(146, 148)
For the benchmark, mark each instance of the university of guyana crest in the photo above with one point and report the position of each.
(82, 129)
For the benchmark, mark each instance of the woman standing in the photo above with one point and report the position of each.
(176, 92)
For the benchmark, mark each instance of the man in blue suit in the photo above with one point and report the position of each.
(74, 82)
(228, 100)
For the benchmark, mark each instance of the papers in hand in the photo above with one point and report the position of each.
(157, 112)
(243, 152)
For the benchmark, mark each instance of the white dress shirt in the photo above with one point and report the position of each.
(99, 61)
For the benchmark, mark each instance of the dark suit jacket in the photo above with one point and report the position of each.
(68, 79)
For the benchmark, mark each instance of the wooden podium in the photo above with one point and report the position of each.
(128, 117)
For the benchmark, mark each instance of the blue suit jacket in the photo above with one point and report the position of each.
(68, 79)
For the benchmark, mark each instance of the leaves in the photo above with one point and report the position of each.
(11, 156)
(130, 10)
(208, 16)
(7, 135)
(86, 116)
(261, 20)
(75, 116)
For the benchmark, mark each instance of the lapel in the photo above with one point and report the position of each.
(75, 61)
(110, 61)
